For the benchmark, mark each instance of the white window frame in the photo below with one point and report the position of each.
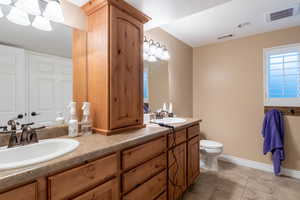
(295, 102)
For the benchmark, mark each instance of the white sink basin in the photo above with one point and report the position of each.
(35, 153)
(171, 120)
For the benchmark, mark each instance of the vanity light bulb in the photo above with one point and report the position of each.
(159, 52)
(146, 56)
(152, 49)
(18, 16)
(165, 55)
(146, 46)
(152, 58)
(1, 13)
(54, 12)
(30, 6)
(5, 2)
(42, 23)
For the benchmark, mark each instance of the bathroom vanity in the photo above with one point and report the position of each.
(134, 165)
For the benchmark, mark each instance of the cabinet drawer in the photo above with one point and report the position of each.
(71, 182)
(106, 191)
(180, 136)
(193, 131)
(134, 156)
(142, 173)
(162, 196)
(27, 192)
(149, 190)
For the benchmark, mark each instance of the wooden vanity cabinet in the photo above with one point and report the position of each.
(177, 171)
(115, 65)
(193, 160)
(106, 191)
(27, 192)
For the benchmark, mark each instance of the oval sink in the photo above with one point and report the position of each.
(170, 120)
(43, 151)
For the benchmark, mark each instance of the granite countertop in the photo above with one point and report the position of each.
(91, 147)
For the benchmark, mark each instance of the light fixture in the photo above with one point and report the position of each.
(30, 6)
(54, 12)
(152, 47)
(18, 16)
(146, 45)
(159, 50)
(5, 2)
(152, 58)
(165, 54)
(41, 23)
(146, 56)
(1, 13)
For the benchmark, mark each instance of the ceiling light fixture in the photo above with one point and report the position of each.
(54, 12)
(30, 6)
(18, 16)
(41, 23)
(5, 2)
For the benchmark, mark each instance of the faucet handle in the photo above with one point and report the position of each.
(29, 124)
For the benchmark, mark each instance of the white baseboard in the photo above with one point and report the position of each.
(259, 165)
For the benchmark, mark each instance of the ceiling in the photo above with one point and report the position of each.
(206, 26)
(201, 22)
(166, 11)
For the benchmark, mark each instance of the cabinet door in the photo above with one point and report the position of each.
(106, 191)
(193, 160)
(126, 75)
(50, 83)
(177, 172)
(12, 83)
(27, 192)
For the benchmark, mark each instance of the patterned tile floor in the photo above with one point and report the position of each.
(241, 183)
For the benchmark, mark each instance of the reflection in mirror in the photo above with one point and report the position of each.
(35, 72)
(156, 84)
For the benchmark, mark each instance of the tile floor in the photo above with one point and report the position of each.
(241, 183)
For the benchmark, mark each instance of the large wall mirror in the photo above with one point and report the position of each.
(156, 84)
(35, 72)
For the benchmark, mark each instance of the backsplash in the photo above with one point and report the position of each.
(50, 132)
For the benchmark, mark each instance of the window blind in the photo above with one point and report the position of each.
(284, 75)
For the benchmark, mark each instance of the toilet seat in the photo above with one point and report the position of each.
(209, 144)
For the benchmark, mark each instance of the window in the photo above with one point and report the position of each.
(282, 76)
(146, 85)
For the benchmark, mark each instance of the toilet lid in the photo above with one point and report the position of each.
(210, 144)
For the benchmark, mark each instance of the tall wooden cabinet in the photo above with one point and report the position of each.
(115, 65)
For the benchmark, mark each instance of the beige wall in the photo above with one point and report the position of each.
(180, 71)
(228, 95)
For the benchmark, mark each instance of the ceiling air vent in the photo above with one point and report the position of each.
(225, 36)
(290, 12)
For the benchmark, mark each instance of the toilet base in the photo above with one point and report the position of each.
(209, 163)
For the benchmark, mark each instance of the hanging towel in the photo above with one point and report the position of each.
(273, 133)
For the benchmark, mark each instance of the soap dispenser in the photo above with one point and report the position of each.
(73, 122)
(86, 123)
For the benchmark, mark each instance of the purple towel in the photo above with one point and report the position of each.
(273, 133)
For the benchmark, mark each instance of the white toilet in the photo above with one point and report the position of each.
(210, 151)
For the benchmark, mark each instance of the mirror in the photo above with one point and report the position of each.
(35, 72)
(156, 84)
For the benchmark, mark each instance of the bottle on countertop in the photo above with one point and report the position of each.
(73, 122)
(86, 123)
(60, 120)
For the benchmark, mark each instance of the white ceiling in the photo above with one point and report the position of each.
(206, 26)
(166, 11)
(200, 22)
